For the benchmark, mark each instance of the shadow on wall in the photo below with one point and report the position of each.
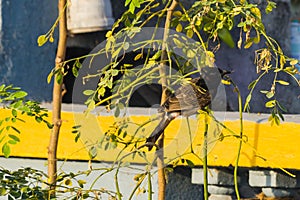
(146, 95)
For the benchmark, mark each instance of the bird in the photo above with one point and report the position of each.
(188, 99)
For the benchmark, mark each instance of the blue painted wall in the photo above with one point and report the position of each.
(22, 62)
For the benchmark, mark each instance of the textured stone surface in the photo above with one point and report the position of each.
(266, 178)
(275, 192)
(220, 197)
(180, 186)
(215, 177)
(221, 190)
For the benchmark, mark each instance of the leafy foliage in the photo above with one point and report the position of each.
(13, 98)
(29, 183)
(210, 23)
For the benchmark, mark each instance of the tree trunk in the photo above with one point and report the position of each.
(57, 98)
(162, 72)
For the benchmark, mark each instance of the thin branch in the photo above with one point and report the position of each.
(57, 99)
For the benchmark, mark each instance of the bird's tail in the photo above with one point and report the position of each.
(165, 121)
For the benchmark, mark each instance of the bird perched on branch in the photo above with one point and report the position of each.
(188, 99)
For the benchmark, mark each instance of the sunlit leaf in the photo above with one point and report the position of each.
(256, 12)
(179, 27)
(20, 94)
(293, 62)
(81, 183)
(75, 71)
(270, 104)
(248, 43)
(282, 82)
(49, 77)
(189, 33)
(252, 84)
(88, 92)
(93, 152)
(269, 94)
(138, 56)
(108, 34)
(177, 13)
(42, 39)
(6, 150)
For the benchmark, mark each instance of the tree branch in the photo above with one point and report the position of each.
(57, 98)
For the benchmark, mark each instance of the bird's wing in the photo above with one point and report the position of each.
(188, 98)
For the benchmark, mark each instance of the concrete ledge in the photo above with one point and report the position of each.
(269, 178)
(215, 177)
(277, 192)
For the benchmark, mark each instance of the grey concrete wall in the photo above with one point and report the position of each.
(22, 62)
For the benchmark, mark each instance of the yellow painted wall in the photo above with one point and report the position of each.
(277, 145)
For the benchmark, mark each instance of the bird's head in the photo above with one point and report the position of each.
(223, 72)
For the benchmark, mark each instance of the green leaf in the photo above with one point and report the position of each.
(190, 163)
(248, 99)
(93, 152)
(77, 137)
(59, 78)
(252, 84)
(282, 82)
(177, 13)
(269, 95)
(6, 150)
(117, 112)
(293, 62)
(156, 55)
(42, 39)
(116, 52)
(256, 12)
(226, 37)
(49, 77)
(138, 56)
(179, 27)
(14, 113)
(189, 33)
(20, 94)
(88, 92)
(127, 2)
(81, 183)
(101, 91)
(13, 142)
(126, 46)
(270, 7)
(248, 43)
(75, 71)
(114, 72)
(68, 182)
(49, 125)
(281, 106)
(13, 137)
(15, 129)
(270, 104)
(38, 119)
(276, 120)
(264, 91)
(2, 191)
